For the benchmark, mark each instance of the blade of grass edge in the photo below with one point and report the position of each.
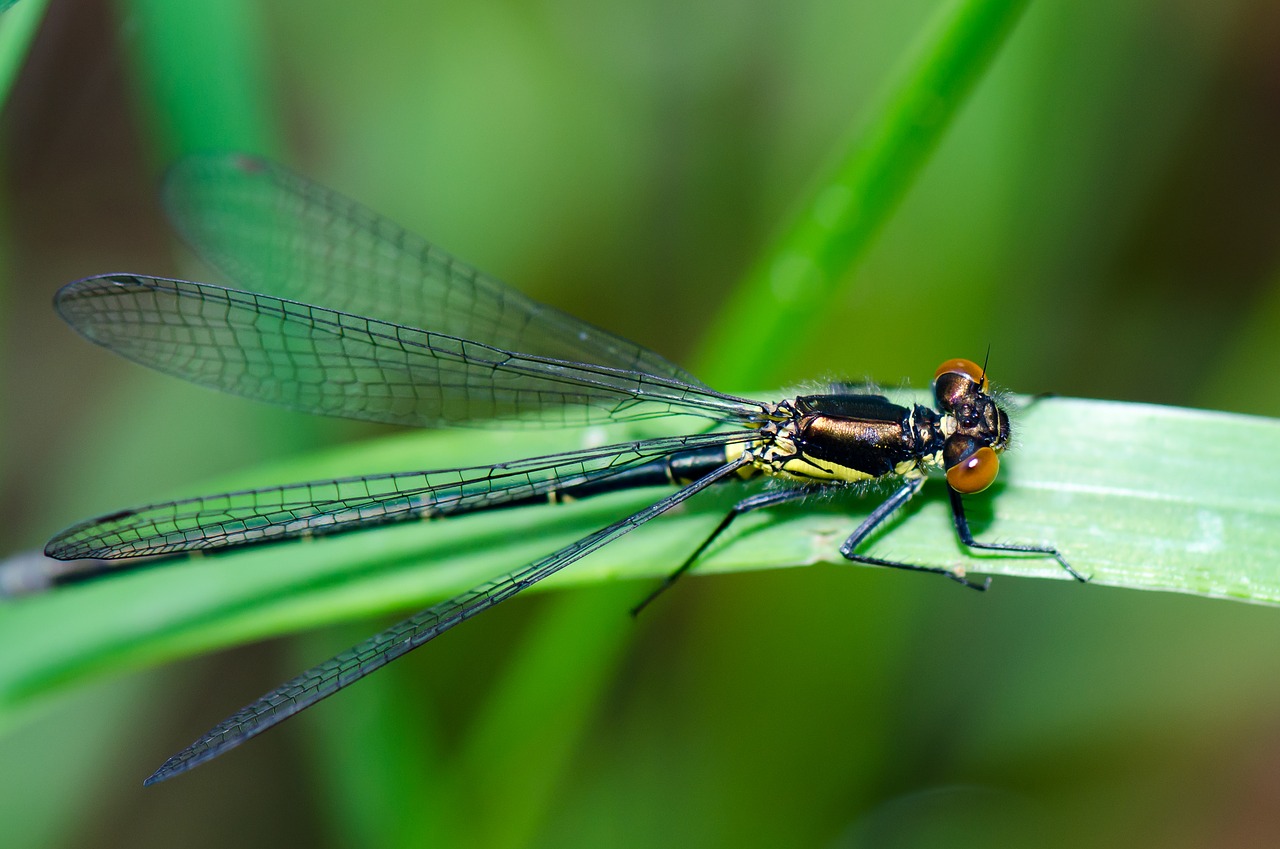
(1138, 496)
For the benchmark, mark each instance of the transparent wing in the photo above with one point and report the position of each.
(319, 360)
(329, 506)
(275, 232)
(355, 663)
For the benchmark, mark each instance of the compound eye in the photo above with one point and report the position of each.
(975, 472)
(968, 368)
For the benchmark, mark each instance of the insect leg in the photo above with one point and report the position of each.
(883, 512)
(962, 530)
(770, 498)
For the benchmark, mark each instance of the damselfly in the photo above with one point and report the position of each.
(409, 335)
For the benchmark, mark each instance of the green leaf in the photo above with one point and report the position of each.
(17, 28)
(840, 217)
(188, 107)
(1137, 496)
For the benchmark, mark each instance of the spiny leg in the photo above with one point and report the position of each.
(966, 537)
(772, 498)
(878, 516)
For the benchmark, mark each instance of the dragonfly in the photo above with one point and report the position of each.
(345, 313)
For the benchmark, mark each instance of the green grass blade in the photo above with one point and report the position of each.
(1137, 496)
(840, 218)
(554, 681)
(17, 28)
(406, 798)
(200, 66)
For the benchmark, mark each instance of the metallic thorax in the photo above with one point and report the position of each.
(848, 438)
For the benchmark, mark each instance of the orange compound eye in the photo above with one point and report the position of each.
(968, 368)
(975, 472)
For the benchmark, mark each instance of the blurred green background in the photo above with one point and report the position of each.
(1103, 214)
